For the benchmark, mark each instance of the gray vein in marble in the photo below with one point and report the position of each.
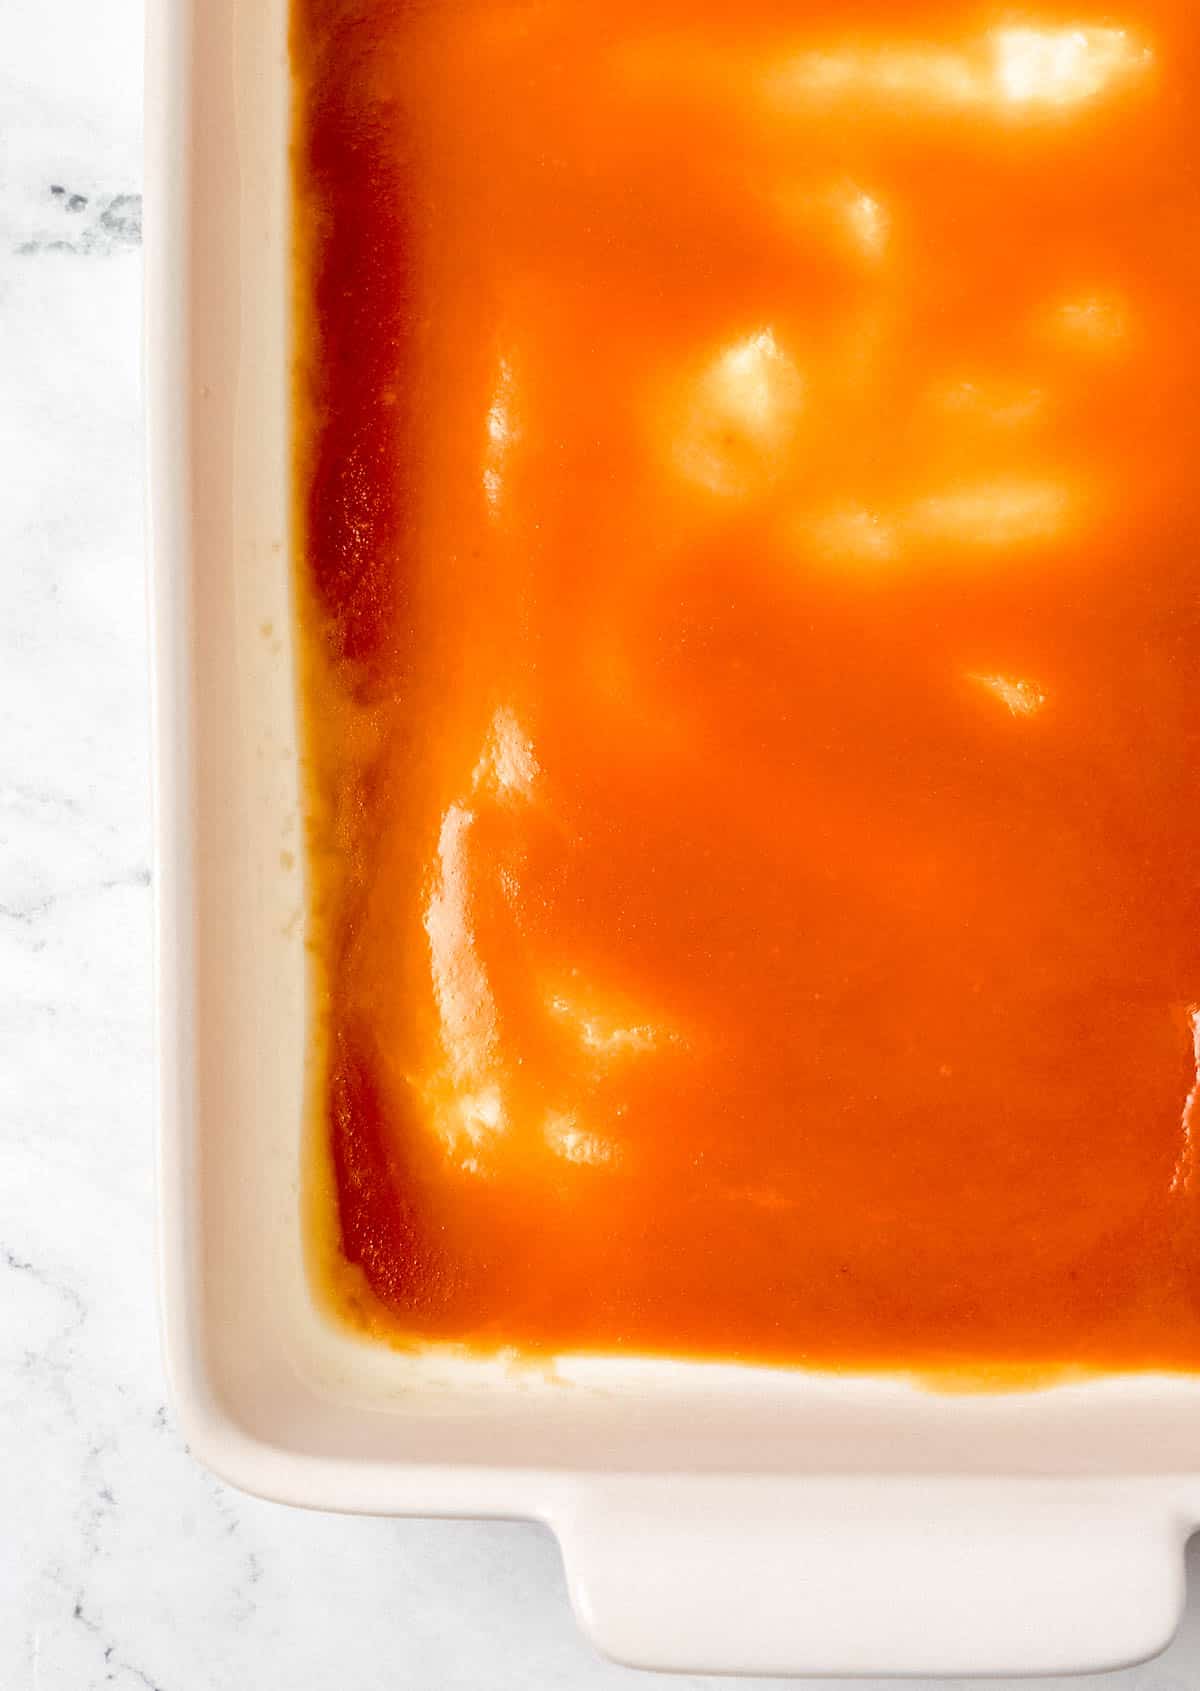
(113, 1663)
(111, 223)
(52, 1360)
(38, 803)
(29, 910)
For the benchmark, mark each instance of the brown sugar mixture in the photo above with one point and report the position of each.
(750, 624)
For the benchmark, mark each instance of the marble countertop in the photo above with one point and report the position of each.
(122, 1563)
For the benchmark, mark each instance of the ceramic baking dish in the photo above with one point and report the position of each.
(711, 1518)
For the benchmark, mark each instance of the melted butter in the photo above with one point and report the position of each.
(749, 621)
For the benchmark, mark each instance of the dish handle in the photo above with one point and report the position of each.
(869, 1575)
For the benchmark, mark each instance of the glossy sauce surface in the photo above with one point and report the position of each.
(751, 619)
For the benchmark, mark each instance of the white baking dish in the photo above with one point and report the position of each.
(711, 1518)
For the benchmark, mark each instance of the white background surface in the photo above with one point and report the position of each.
(122, 1564)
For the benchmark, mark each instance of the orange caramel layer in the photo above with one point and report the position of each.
(751, 627)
